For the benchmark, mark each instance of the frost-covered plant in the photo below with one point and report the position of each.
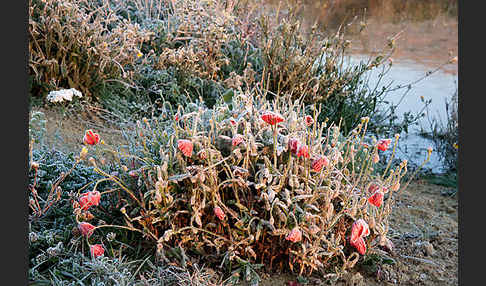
(254, 182)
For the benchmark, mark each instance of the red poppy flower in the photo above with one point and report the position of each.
(303, 151)
(295, 235)
(185, 146)
(232, 121)
(383, 144)
(376, 199)
(360, 245)
(86, 228)
(308, 120)
(91, 138)
(272, 118)
(96, 250)
(219, 213)
(318, 163)
(176, 117)
(89, 199)
(294, 145)
(359, 230)
(237, 140)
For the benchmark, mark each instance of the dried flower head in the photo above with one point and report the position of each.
(63, 94)
(318, 163)
(294, 145)
(237, 139)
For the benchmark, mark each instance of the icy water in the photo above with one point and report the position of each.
(438, 87)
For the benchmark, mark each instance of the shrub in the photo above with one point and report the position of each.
(225, 185)
(78, 44)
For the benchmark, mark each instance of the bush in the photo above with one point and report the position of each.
(239, 192)
(79, 44)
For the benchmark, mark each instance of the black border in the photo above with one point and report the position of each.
(15, 117)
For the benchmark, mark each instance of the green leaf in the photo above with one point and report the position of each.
(228, 96)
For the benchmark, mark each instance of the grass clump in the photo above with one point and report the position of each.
(78, 44)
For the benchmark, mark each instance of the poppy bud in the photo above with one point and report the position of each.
(295, 235)
(219, 213)
(91, 138)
